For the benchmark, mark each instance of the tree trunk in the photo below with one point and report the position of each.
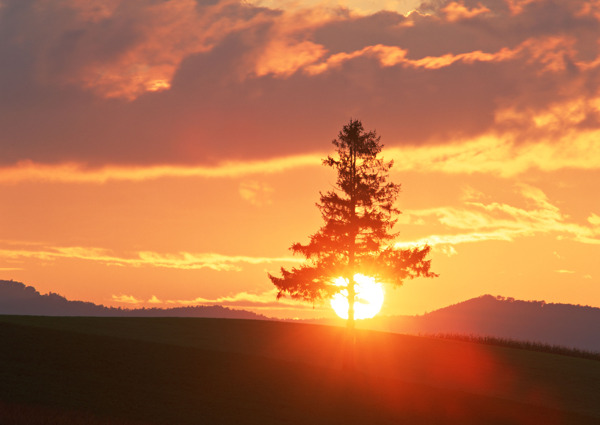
(350, 339)
(353, 233)
(350, 334)
(351, 302)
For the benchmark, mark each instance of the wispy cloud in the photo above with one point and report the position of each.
(501, 222)
(594, 219)
(251, 300)
(356, 7)
(246, 299)
(457, 238)
(503, 155)
(516, 6)
(80, 173)
(491, 154)
(397, 56)
(258, 194)
(180, 260)
(126, 299)
(456, 11)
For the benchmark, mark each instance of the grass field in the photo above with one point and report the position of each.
(217, 371)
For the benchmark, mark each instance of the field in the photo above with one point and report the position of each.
(217, 371)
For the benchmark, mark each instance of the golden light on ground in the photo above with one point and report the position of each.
(369, 297)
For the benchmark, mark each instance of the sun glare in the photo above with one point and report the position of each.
(369, 297)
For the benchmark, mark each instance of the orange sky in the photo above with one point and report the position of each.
(168, 153)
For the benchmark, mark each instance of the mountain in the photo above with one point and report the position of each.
(18, 299)
(567, 325)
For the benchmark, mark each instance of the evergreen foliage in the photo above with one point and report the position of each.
(357, 236)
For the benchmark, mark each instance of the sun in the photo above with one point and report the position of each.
(369, 298)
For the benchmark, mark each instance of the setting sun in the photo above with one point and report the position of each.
(369, 298)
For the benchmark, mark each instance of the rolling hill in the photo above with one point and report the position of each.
(563, 325)
(92, 370)
(555, 324)
(19, 299)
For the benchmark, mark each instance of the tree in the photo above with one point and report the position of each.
(359, 215)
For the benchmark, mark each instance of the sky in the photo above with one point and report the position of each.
(166, 153)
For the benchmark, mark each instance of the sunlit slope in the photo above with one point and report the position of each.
(228, 371)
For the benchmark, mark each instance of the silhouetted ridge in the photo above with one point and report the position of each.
(559, 324)
(18, 299)
(566, 325)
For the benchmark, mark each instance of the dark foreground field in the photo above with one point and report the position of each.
(217, 371)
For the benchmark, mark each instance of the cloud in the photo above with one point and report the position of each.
(594, 220)
(266, 300)
(255, 300)
(490, 154)
(502, 155)
(126, 299)
(244, 298)
(455, 239)
(122, 49)
(456, 11)
(395, 56)
(258, 194)
(181, 260)
(283, 58)
(154, 300)
(478, 222)
(516, 6)
(288, 46)
(80, 173)
(448, 250)
(143, 84)
(358, 7)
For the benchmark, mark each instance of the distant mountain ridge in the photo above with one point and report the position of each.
(17, 298)
(567, 325)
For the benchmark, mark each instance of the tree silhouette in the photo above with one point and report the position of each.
(357, 237)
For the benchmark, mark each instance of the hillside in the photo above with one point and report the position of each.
(189, 371)
(555, 324)
(18, 299)
(559, 324)
(535, 321)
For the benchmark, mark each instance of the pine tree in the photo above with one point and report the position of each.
(357, 236)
